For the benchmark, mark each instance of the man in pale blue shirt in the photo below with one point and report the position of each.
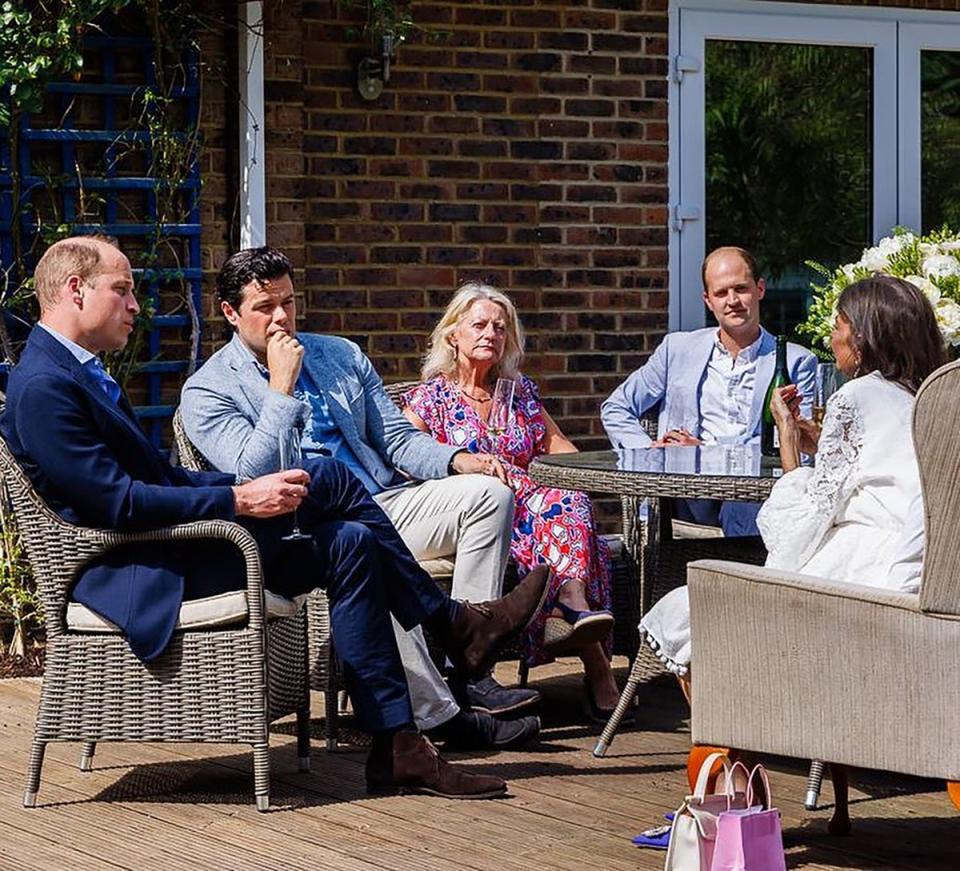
(708, 385)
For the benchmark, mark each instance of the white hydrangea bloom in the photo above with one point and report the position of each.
(874, 259)
(941, 265)
(890, 245)
(929, 289)
(948, 319)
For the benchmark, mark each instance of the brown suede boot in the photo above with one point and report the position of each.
(412, 764)
(474, 636)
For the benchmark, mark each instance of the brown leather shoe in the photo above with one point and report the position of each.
(412, 764)
(480, 629)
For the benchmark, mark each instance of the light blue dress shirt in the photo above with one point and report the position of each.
(82, 354)
(321, 433)
(91, 363)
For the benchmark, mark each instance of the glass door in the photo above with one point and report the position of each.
(787, 132)
(929, 97)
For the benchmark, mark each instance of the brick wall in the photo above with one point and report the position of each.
(526, 148)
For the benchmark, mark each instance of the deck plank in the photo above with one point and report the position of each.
(178, 806)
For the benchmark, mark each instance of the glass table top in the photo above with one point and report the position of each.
(717, 460)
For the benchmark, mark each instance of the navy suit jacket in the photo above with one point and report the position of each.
(93, 465)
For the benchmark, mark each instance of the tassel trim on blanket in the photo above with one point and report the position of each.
(671, 665)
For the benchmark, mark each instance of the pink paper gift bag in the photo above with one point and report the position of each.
(750, 839)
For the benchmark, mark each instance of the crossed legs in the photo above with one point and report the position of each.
(369, 575)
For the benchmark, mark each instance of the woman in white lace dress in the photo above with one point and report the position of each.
(855, 516)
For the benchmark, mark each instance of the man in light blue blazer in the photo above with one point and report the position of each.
(270, 382)
(708, 385)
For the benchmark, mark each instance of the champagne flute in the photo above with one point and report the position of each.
(826, 386)
(501, 407)
(291, 457)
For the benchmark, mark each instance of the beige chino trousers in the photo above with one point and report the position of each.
(469, 517)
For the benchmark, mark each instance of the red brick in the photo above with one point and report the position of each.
(425, 276)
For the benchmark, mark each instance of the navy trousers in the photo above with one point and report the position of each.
(714, 512)
(358, 557)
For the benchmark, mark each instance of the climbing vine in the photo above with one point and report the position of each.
(42, 42)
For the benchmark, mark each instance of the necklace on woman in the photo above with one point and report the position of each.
(471, 396)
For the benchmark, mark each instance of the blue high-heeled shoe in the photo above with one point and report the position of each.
(575, 629)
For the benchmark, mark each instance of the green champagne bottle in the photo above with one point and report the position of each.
(769, 438)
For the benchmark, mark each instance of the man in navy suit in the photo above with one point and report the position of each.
(70, 427)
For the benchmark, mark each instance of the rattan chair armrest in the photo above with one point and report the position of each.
(775, 581)
(201, 529)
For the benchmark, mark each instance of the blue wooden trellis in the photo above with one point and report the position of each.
(111, 186)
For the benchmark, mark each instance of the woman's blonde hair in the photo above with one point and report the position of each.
(441, 358)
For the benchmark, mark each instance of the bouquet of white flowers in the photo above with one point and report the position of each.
(931, 263)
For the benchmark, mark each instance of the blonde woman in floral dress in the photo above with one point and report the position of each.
(477, 341)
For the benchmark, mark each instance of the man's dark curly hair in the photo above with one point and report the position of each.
(251, 264)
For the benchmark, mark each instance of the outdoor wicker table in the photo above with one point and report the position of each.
(726, 472)
(730, 472)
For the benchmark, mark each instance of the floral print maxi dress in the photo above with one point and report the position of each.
(550, 526)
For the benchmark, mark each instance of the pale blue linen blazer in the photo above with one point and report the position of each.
(673, 378)
(233, 417)
(671, 382)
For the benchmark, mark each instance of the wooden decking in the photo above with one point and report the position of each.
(191, 806)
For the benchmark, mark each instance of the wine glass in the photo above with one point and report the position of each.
(684, 414)
(501, 406)
(291, 457)
(826, 386)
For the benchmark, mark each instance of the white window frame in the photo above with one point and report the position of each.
(896, 37)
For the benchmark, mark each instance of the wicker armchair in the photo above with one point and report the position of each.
(858, 675)
(223, 684)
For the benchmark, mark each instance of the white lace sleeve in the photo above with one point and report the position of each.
(804, 502)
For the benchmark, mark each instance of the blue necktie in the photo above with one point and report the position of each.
(95, 368)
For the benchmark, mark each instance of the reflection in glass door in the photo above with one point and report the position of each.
(928, 102)
(784, 129)
(940, 139)
(789, 161)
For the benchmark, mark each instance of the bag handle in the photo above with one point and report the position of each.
(759, 769)
(700, 790)
(732, 781)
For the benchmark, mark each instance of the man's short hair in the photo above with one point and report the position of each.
(250, 264)
(749, 260)
(78, 255)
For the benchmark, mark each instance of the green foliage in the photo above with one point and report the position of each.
(18, 599)
(940, 138)
(788, 151)
(40, 42)
(386, 17)
(43, 44)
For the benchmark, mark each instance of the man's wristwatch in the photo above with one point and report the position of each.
(450, 469)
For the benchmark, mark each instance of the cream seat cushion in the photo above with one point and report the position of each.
(224, 609)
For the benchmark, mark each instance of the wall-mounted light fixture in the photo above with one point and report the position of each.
(373, 71)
